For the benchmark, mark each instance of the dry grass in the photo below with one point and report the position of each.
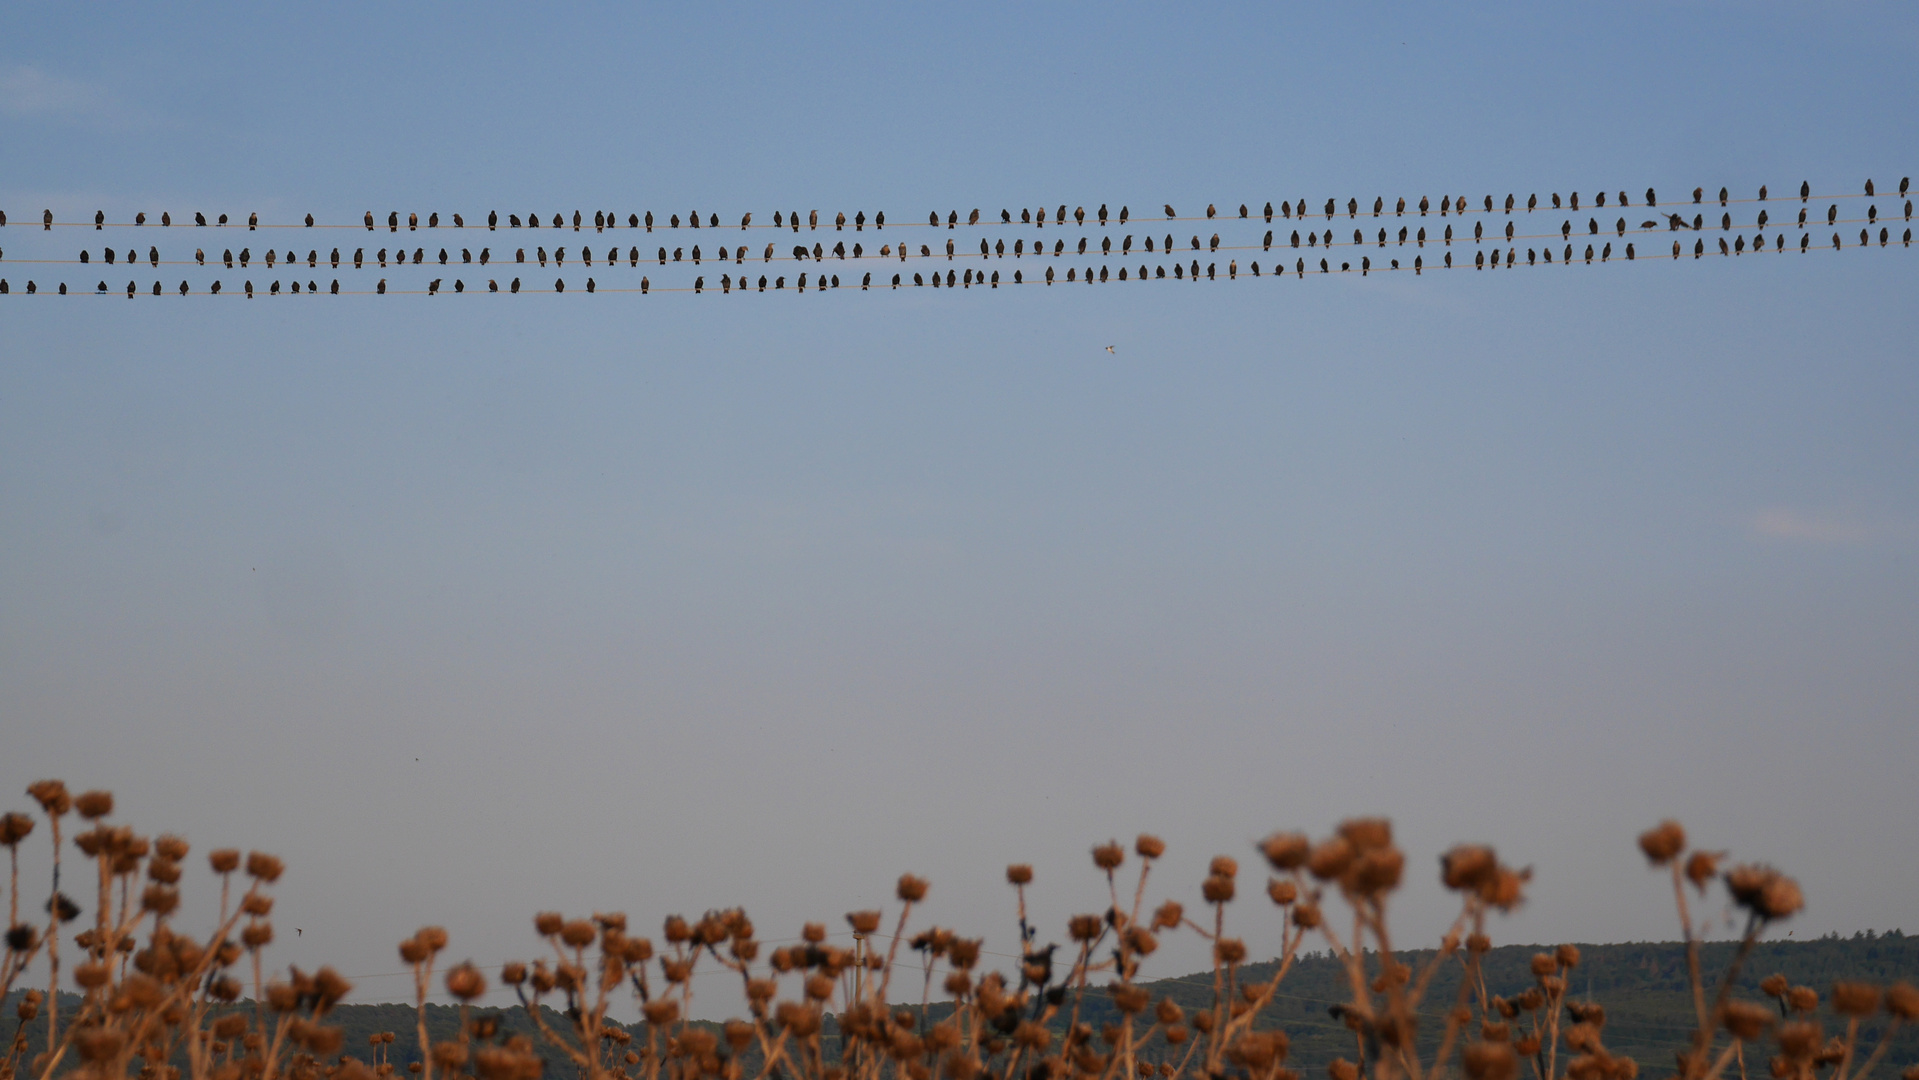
(157, 1004)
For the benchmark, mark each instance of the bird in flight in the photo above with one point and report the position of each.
(1109, 348)
(297, 931)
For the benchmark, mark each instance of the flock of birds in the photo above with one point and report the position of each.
(1300, 231)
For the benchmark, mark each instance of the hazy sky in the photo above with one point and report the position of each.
(472, 607)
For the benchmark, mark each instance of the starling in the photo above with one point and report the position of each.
(393, 221)
(974, 218)
(99, 219)
(1169, 213)
(1762, 193)
(1868, 187)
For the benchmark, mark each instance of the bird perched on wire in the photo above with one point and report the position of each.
(1169, 211)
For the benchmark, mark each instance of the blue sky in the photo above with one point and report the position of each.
(685, 602)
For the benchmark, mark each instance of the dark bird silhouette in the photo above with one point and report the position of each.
(1868, 187)
(1762, 193)
(1169, 212)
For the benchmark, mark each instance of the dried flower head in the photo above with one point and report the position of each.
(1377, 870)
(1330, 858)
(912, 889)
(1765, 892)
(1281, 891)
(1663, 843)
(161, 900)
(1223, 866)
(1229, 951)
(1490, 1061)
(1567, 955)
(1746, 1020)
(1468, 867)
(1365, 834)
(465, 982)
(1341, 1069)
(1544, 964)
(863, 922)
(1802, 999)
(94, 805)
(224, 860)
(1217, 888)
(1902, 1000)
(1019, 874)
(1306, 916)
(1286, 850)
(1799, 1040)
(1085, 928)
(52, 797)
(264, 867)
(1168, 915)
(1702, 867)
(578, 933)
(14, 827)
(1773, 985)
(1855, 998)
(1149, 846)
(1129, 998)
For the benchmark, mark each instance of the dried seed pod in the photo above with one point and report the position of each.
(1019, 874)
(1746, 1020)
(1366, 834)
(224, 860)
(1663, 843)
(465, 982)
(911, 889)
(1149, 847)
(1490, 1061)
(94, 805)
(1109, 856)
(52, 796)
(264, 867)
(1468, 866)
(1855, 998)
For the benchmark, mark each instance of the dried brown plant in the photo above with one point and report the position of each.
(153, 997)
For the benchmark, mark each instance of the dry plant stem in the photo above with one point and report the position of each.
(893, 950)
(422, 979)
(1885, 1043)
(1754, 924)
(1398, 1008)
(1719, 1064)
(1852, 1041)
(1288, 948)
(53, 944)
(1702, 1037)
(1451, 1035)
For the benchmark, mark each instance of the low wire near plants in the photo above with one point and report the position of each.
(160, 1005)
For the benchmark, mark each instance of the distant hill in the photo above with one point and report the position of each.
(1642, 985)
